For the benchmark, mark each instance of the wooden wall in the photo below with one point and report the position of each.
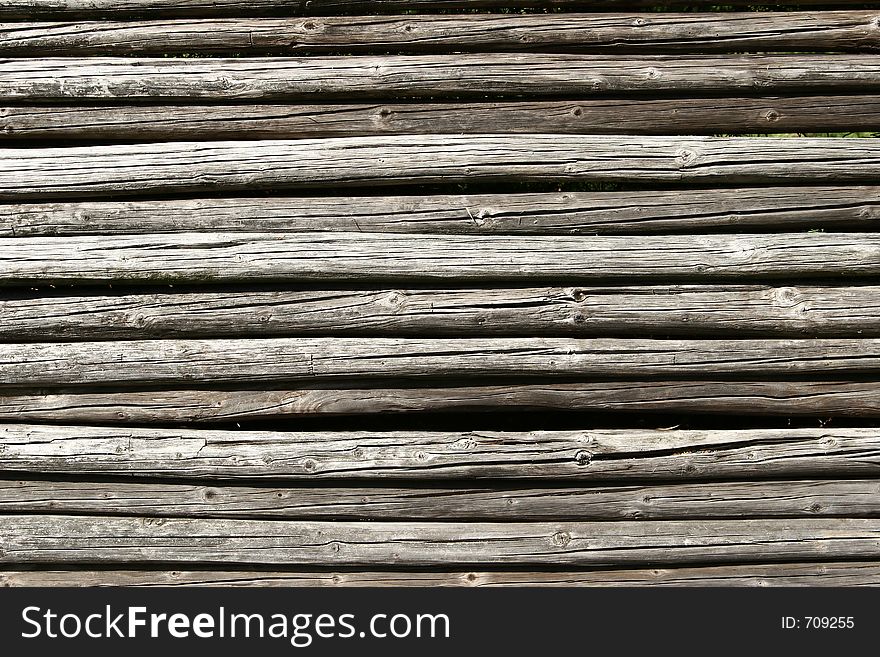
(439, 293)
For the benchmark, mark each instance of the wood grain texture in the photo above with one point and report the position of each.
(328, 360)
(738, 499)
(44, 173)
(205, 407)
(112, 540)
(643, 116)
(337, 257)
(684, 310)
(594, 455)
(847, 573)
(420, 76)
(28, 9)
(737, 32)
(623, 212)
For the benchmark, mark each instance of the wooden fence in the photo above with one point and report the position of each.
(438, 293)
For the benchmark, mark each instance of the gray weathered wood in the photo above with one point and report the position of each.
(90, 539)
(329, 360)
(657, 116)
(685, 310)
(340, 257)
(739, 499)
(623, 212)
(737, 32)
(846, 573)
(593, 455)
(419, 76)
(785, 398)
(45, 173)
(28, 9)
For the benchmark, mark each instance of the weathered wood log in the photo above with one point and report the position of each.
(442, 159)
(594, 455)
(433, 76)
(785, 398)
(740, 499)
(826, 31)
(328, 360)
(115, 540)
(658, 116)
(624, 212)
(686, 310)
(338, 257)
(28, 9)
(846, 573)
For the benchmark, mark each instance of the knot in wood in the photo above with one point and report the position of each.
(583, 457)
(686, 157)
(561, 539)
(638, 22)
(309, 465)
(771, 115)
(578, 295)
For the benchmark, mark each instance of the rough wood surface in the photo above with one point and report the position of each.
(28, 9)
(113, 540)
(624, 212)
(736, 32)
(594, 455)
(337, 257)
(847, 573)
(419, 76)
(785, 398)
(44, 173)
(328, 360)
(658, 116)
(739, 499)
(685, 310)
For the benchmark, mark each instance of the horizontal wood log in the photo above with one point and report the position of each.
(420, 76)
(742, 499)
(28, 9)
(662, 116)
(317, 360)
(97, 540)
(686, 310)
(39, 174)
(847, 573)
(338, 257)
(785, 398)
(594, 455)
(626, 212)
(826, 31)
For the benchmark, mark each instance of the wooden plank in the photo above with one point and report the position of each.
(739, 499)
(115, 540)
(328, 360)
(683, 310)
(845, 573)
(145, 169)
(623, 212)
(194, 406)
(593, 455)
(827, 31)
(642, 116)
(433, 76)
(28, 9)
(338, 257)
